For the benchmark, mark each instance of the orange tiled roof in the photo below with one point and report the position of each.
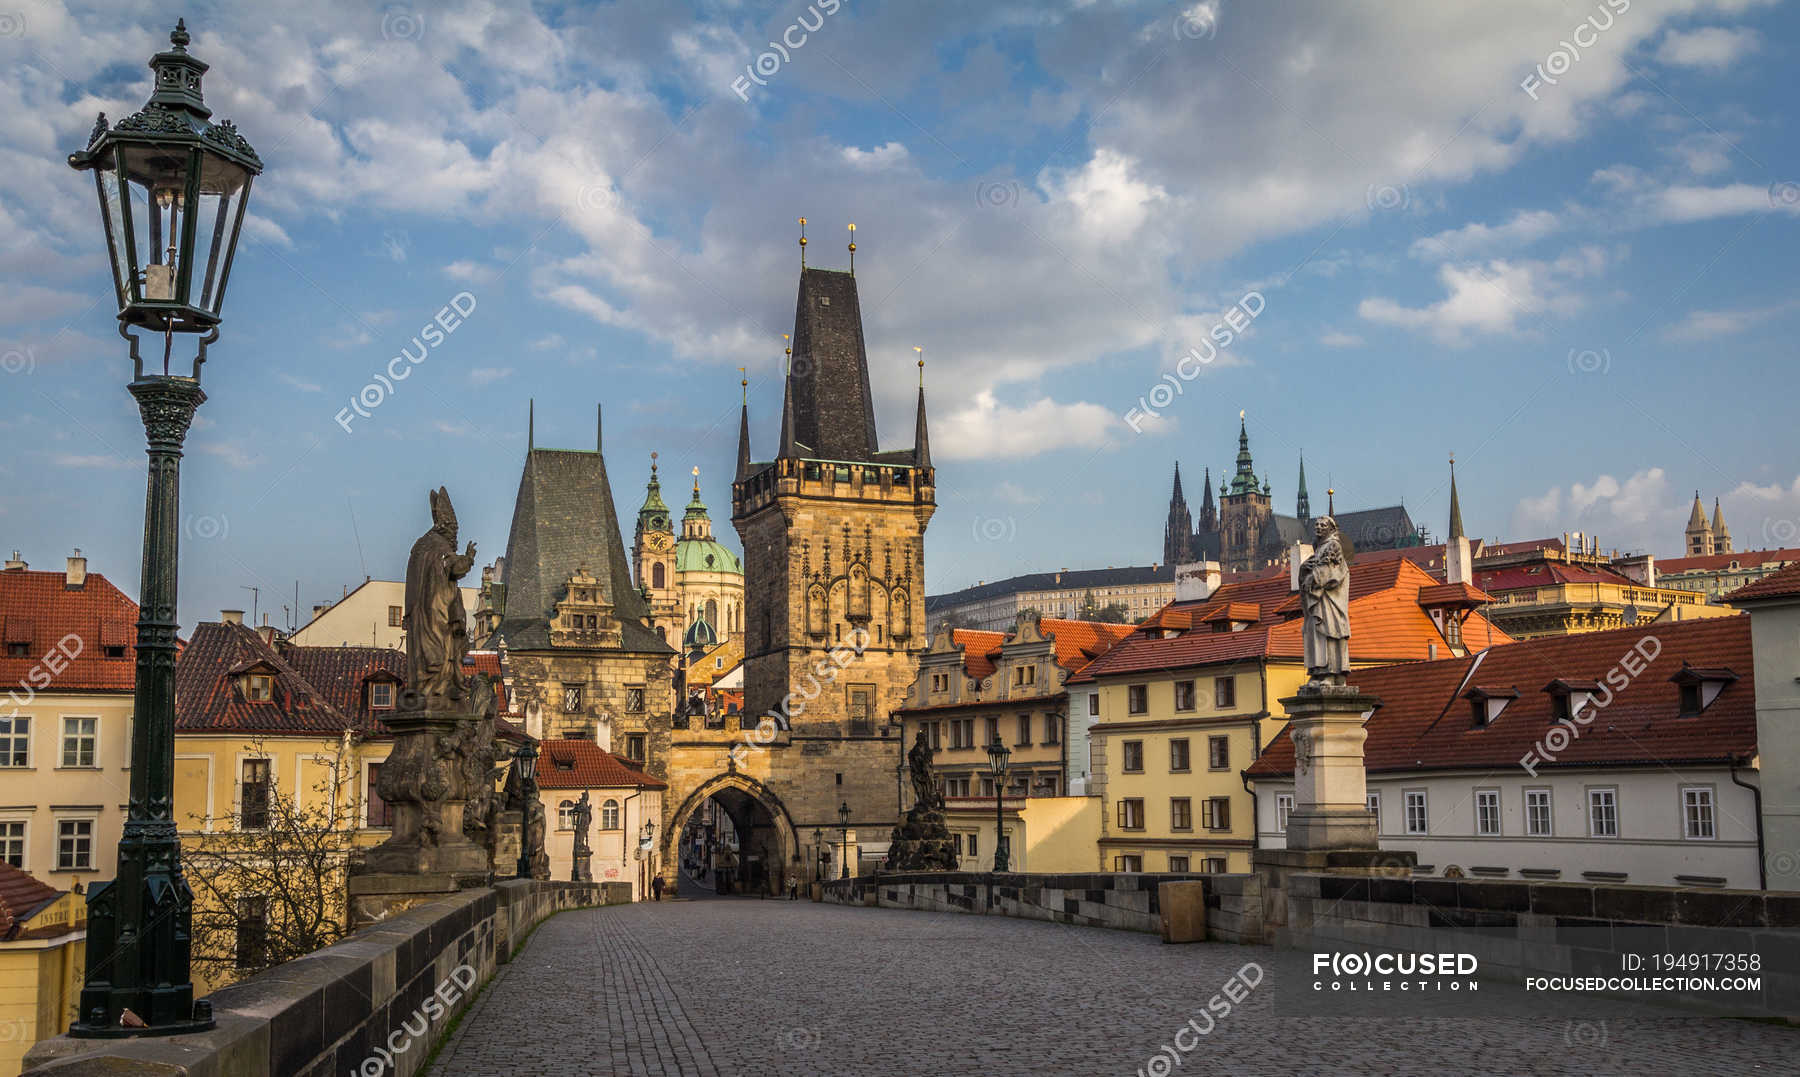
(21, 896)
(1708, 562)
(39, 610)
(1422, 724)
(1782, 584)
(979, 648)
(1453, 594)
(582, 764)
(207, 698)
(1079, 642)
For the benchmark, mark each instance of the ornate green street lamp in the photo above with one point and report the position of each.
(998, 754)
(173, 187)
(525, 766)
(844, 826)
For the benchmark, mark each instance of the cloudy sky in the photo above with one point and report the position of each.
(1550, 237)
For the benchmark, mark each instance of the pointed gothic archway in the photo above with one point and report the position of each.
(767, 843)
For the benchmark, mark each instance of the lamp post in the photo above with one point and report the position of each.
(998, 754)
(525, 765)
(172, 187)
(844, 826)
(821, 855)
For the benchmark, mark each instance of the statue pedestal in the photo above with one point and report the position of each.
(428, 855)
(584, 872)
(921, 842)
(509, 831)
(1331, 810)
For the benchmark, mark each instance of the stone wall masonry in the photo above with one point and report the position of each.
(1520, 929)
(1120, 900)
(331, 1012)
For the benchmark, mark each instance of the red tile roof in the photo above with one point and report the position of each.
(582, 764)
(1453, 595)
(1387, 622)
(339, 674)
(1782, 584)
(1711, 561)
(208, 699)
(979, 648)
(39, 609)
(1422, 724)
(1077, 643)
(21, 896)
(1545, 574)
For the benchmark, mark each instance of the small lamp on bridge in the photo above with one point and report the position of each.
(998, 756)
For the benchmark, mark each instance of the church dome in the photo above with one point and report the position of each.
(705, 555)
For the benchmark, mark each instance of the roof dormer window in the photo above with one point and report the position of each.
(1700, 686)
(259, 687)
(1568, 699)
(1486, 704)
(381, 696)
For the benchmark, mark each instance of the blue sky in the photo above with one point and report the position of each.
(1582, 288)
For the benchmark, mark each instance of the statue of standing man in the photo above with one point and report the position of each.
(1325, 605)
(437, 627)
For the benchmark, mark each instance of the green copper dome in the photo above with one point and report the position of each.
(705, 555)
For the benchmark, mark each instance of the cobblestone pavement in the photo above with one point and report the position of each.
(744, 986)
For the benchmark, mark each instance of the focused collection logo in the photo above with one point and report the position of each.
(1390, 973)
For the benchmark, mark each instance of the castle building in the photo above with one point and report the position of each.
(689, 577)
(1705, 539)
(1245, 534)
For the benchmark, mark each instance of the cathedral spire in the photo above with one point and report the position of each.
(1721, 533)
(1178, 531)
(1302, 508)
(1699, 533)
(1209, 516)
(787, 400)
(1244, 482)
(1456, 524)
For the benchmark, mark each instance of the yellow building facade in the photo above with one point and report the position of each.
(42, 962)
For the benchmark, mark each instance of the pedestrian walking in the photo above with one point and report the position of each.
(656, 887)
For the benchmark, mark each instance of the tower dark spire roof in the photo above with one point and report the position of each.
(1244, 482)
(1456, 524)
(743, 459)
(833, 410)
(1302, 507)
(1207, 512)
(921, 437)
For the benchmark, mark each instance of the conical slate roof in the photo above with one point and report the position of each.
(834, 411)
(564, 520)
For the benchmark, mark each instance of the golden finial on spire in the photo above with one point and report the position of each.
(653, 467)
(744, 381)
(803, 243)
(921, 354)
(788, 351)
(696, 480)
(853, 250)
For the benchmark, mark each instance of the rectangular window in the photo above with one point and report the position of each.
(1216, 813)
(1225, 692)
(259, 688)
(15, 741)
(1184, 695)
(1487, 813)
(1178, 754)
(1284, 806)
(1093, 704)
(937, 736)
(79, 736)
(1053, 728)
(396, 616)
(993, 730)
(380, 812)
(957, 844)
(75, 845)
(1024, 676)
(861, 699)
(1417, 821)
(1024, 730)
(987, 787)
(381, 696)
(634, 747)
(1178, 864)
(1212, 865)
(12, 843)
(253, 796)
(1603, 813)
(1375, 804)
(634, 698)
(571, 698)
(974, 845)
(1181, 813)
(1697, 813)
(1133, 753)
(1218, 753)
(1137, 699)
(1538, 821)
(1128, 862)
(252, 933)
(1131, 814)
(956, 787)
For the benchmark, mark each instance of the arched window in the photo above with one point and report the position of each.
(656, 575)
(609, 815)
(712, 612)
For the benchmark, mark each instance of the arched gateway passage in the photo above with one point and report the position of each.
(733, 836)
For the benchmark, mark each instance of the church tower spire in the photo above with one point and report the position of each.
(743, 459)
(1209, 514)
(1244, 482)
(1699, 532)
(1302, 507)
(1456, 524)
(921, 437)
(1178, 531)
(1721, 534)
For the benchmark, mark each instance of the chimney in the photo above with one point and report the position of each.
(1639, 567)
(232, 617)
(266, 631)
(1196, 580)
(318, 608)
(15, 564)
(1297, 555)
(603, 734)
(1457, 568)
(75, 577)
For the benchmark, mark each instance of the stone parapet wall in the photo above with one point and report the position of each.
(1120, 900)
(333, 1011)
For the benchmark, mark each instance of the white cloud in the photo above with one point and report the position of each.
(92, 460)
(1634, 513)
(1683, 203)
(298, 383)
(1711, 47)
(1521, 229)
(471, 272)
(1339, 339)
(258, 228)
(1491, 298)
(988, 429)
(884, 156)
(487, 375)
(234, 455)
(1701, 324)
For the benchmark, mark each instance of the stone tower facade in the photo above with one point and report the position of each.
(1245, 508)
(1178, 533)
(1699, 533)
